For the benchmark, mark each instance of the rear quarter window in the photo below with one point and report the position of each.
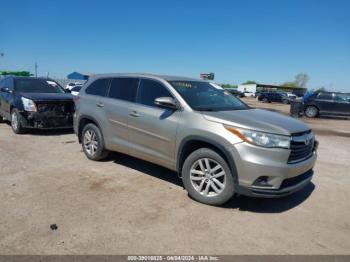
(98, 87)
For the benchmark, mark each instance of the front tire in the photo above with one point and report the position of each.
(16, 122)
(92, 142)
(207, 177)
(311, 111)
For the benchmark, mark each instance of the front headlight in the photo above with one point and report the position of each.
(261, 138)
(28, 105)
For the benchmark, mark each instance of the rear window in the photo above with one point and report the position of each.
(35, 85)
(98, 87)
(124, 88)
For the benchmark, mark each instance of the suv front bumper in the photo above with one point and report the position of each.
(253, 163)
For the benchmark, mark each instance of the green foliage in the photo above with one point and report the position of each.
(300, 80)
(320, 89)
(290, 84)
(16, 73)
(228, 86)
(249, 82)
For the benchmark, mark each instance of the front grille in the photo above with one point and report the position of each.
(302, 146)
(57, 108)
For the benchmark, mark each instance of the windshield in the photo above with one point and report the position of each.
(204, 96)
(35, 85)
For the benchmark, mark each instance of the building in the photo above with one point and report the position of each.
(251, 89)
(79, 76)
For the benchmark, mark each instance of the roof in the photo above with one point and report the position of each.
(164, 77)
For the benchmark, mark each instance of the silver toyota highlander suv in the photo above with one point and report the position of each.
(217, 144)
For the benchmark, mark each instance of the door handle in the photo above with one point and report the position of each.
(99, 104)
(134, 114)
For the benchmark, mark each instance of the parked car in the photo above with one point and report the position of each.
(217, 144)
(70, 86)
(326, 103)
(40, 103)
(235, 92)
(75, 90)
(273, 97)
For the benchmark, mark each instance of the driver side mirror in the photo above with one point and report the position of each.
(5, 90)
(166, 102)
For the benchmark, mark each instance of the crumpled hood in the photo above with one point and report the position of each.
(47, 96)
(260, 120)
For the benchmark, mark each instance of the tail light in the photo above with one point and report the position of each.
(76, 99)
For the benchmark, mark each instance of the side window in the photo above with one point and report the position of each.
(325, 96)
(124, 88)
(342, 97)
(98, 87)
(150, 90)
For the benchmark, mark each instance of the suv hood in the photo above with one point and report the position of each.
(260, 120)
(36, 97)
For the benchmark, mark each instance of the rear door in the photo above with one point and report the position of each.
(325, 102)
(152, 130)
(342, 104)
(119, 103)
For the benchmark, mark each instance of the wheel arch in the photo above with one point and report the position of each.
(192, 143)
(83, 121)
(313, 105)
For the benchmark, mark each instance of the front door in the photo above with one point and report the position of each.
(152, 130)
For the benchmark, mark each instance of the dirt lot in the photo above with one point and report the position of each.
(127, 206)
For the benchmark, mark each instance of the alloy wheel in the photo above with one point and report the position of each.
(208, 177)
(90, 142)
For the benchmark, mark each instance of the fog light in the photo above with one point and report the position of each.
(262, 182)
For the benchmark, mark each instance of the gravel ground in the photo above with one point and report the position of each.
(127, 206)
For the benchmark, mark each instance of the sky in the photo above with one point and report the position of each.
(267, 41)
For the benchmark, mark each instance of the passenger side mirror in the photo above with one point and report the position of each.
(5, 90)
(166, 102)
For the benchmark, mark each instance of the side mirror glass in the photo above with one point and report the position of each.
(166, 102)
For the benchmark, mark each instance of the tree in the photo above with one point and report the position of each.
(290, 84)
(301, 80)
(228, 86)
(249, 82)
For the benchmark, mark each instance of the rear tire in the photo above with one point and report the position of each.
(311, 111)
(207, 177)
(92, 142)
(17, 122)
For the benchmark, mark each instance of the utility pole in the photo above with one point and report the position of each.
(36, 69)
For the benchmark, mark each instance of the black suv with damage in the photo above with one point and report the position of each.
(30, 102)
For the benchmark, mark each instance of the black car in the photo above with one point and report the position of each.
(40, 103)
(274, 97)
(326, 103)
(235, 92)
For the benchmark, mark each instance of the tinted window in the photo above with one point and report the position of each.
(98, 87)
(203, 96)
(150, 90)
(37, 85)
(342, 97)
(325, 96)
(124, 88)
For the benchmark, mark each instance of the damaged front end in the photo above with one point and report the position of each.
(50, 115)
